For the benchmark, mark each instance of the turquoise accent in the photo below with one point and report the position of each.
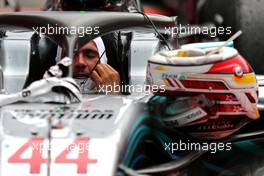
(138, 133)
(136, 138)
(57, 109)
(250, 147)
(182, 77)
(83, 12)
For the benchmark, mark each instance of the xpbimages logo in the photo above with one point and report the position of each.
(188, 29)
(63, 30)
(212, 147)
(116, 88)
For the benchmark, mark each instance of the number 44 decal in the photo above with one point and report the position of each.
(37, 160)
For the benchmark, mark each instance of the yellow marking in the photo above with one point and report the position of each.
(161, 68)
(256, 111)
(183, 54)
(245, 79)
(165, 81)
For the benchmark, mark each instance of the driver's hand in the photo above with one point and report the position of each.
(106, 78)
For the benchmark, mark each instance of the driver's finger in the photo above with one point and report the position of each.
(107, 74)
(114, 73)
(111, 68)
(96, 78)
(101, 71)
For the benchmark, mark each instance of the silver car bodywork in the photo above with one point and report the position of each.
(16, 50)
(108, 124)
(108, 129)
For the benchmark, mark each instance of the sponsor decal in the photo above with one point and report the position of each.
(186, 118)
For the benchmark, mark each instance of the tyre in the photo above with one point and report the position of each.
(240, 15)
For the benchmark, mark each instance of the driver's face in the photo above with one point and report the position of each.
(85, 60)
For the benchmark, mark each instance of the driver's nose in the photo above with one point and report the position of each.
(79, 63)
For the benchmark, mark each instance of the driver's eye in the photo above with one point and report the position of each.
(89, 54)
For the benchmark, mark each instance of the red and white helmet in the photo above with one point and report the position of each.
(225, 79)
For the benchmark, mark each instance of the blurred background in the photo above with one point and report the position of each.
(24, 5)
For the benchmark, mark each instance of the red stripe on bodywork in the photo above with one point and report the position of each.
(169, 81)
(195, 84)
(228, 66)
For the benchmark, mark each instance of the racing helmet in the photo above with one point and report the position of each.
(207, 95)
(77, 5)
